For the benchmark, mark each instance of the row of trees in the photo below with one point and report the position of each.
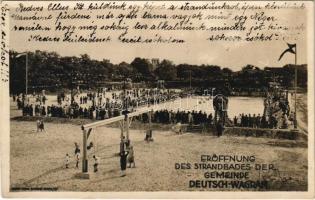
(50, 71)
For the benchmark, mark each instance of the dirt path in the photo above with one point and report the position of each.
(37, 159)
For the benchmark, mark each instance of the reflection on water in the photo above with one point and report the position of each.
(237, 105)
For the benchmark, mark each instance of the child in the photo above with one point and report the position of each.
(67, 161)
(90, 146)
(38, 124)
(77, 157)
(131, 158)
(177, 128)
(124, 144)
(77, 148)
(96, 162)
(123, 162)
(41, 126)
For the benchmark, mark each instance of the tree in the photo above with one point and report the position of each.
(17, 73)
(48, 70)
(166, 70)
(143, 66)
(213, 72)
(249, 68)
(125, 69)
(183, 71)
(227, 71)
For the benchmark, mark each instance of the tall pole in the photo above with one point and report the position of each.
(84, 159)
(124, 97)
(150, 120)
(26, 73)
(295, 83)
(127, 127)
(125, 109)
(72, 88)
(122, 124)
(122, 128)
(190, 79)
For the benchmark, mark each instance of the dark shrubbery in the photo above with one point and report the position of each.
(52, 72)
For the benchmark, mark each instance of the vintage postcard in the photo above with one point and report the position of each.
(157, 99)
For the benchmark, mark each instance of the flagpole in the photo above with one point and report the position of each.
(26, 74)
(295, 83)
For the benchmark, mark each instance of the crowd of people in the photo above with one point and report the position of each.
(276, 113)
(258, 121)
(197, 118)
(185, 117)
(100, 106)
(94, 105)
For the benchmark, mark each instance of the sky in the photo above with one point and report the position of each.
(197, 50)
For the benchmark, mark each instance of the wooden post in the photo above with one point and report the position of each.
(26, 74)
(150, 122)
(295, 89)
(127, 127)
(122, 129)
(84, 159)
